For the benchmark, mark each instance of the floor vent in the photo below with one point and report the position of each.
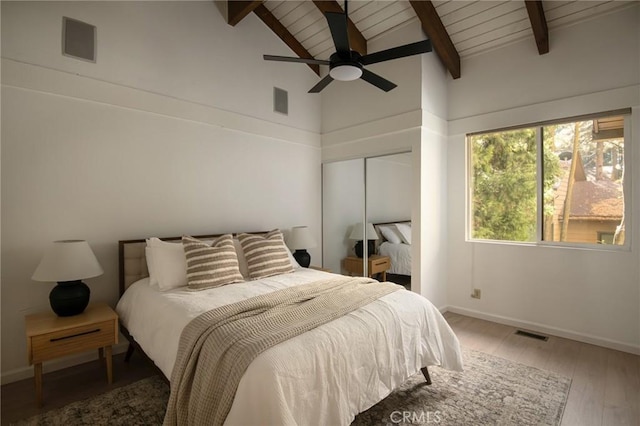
(532, 335)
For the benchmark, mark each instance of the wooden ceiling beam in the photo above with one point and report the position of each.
(538, 25)
(281, 31)
(437, 33)
(357, 41)
(237, 10)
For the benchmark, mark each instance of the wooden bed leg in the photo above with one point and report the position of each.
(425, 373)
(130, 349)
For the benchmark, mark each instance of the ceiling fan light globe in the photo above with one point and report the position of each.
(345, 72)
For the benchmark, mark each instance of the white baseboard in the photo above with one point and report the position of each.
(57, 364)
(542, 328)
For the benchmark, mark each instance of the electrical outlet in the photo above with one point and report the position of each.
(476, 293)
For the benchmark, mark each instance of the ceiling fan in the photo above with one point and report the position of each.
(346, 64)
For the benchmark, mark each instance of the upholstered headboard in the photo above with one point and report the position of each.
(132, 260)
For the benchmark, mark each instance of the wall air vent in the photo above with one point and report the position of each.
(280, 101)
(532, 335)
(78, 39)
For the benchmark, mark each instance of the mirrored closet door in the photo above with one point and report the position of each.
(389, 186)
(343, 192)
(366, 205)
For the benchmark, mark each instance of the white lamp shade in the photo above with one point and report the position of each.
(357, 232)
(301, 238)
(68, 260)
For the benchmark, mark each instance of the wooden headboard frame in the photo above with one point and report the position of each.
(391, 223)
(375, 225)
(132, 261)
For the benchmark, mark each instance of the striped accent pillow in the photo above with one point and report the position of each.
(266, 254)
(211, 266)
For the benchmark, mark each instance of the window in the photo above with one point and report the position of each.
(605, 237)
(560, 182)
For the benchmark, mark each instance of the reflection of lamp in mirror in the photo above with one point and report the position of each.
(300, 240)
(371, 236)
(68, 262)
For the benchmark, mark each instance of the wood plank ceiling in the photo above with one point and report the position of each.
(457, 28)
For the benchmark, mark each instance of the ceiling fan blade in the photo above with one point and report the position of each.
(292, 59)
(397, 52)
(321, 84)
(338, 26)
(376, 80)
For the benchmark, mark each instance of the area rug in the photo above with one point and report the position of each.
(491, 391)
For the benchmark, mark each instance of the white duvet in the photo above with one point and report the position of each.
(400, 255)
(323, 377)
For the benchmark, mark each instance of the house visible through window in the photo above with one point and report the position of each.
(556, 182)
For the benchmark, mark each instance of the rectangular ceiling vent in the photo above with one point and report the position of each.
(78, 39)
(280, 101)
(532, 335)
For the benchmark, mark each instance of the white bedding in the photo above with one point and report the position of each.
(400, 255)
(325, 376)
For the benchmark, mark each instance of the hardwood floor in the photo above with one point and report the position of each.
(68, 385)
(605, 389)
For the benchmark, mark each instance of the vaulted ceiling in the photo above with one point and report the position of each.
(457, 29)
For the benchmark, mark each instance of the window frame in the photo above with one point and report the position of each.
(539, 242)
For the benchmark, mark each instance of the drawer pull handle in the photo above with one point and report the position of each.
(97, 330)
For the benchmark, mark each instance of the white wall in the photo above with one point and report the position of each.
(590, 295)
(170, 132)
(588, 57)
(432, 174)
(183, 50)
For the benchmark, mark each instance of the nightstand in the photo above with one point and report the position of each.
(50, 336)
(377, 264)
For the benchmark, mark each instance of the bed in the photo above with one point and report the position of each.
(324, 376)
(395, 242)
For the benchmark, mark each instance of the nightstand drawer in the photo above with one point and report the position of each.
(381, 263)
(377, 265)
(72, 340)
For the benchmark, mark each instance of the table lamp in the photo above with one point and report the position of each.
(68, 262)
(357, 233)
(300, 240)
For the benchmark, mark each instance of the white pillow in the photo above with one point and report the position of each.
(153, 282)
(168, 266)
(390, 234)
(294, 262)
(405, 232)
(242, 261)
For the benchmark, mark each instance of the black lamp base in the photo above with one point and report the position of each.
(69, 298)
(371, 246)
(302, 257)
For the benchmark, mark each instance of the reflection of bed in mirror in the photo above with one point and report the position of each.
(395, 241)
